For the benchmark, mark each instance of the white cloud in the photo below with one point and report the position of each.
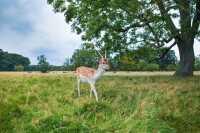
(196, 47)
(9, 11)
(48, 34)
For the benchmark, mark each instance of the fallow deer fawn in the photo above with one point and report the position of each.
(90, 75)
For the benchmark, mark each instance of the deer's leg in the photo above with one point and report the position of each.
(91, 92)
(79, 89)
(95, 92)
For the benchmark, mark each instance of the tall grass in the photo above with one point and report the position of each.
(128, 103)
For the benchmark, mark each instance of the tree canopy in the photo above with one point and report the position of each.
(8, 61)
(84, 57)
(134, 60)
(43, 65)
(118, 25)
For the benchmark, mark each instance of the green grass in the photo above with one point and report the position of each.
(135, 103)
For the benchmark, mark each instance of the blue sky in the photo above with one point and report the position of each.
(31, 28)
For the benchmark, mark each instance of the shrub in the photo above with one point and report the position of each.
(143, 65)
(171, 67)
(153, 67)
(19, 68)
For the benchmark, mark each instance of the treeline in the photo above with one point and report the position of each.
(16, 62)
(138, 60)
(11, 62)
(141, 59)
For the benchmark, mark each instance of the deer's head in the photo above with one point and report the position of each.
(103, 62)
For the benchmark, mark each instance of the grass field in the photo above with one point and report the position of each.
(136, 102)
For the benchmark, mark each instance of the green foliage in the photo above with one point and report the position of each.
(33, 68)
(153, 67)
(197, 63)
(146, 53)
(127, 63)
(114, 64)
(19, 68)
(68, 66)
(171, 67)
(83, 57)
(43, 65)
(143, 65)
(125, 22)
(128, 103)
(8, 61)
(121, 25)
(170, 59)
(132, 60)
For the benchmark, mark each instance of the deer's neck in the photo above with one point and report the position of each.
(99, 73)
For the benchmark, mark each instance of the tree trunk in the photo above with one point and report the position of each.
(187, 59)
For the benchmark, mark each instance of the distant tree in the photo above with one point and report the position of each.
(127, 63)
(9, 60)
(169, 59)
(33, 68)
(171, 67)
(146, 53)
(143, 58)
(197, 63)
(114, 64)
(6, 62)
(43, 65)
(54, 68)
(153, 67)
(67, 65)
(143, 65)
(20, 60)
(84, 57)
(19, 68)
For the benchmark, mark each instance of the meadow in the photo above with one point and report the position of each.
(136, 102)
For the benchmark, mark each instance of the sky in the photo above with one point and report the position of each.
(31, 28)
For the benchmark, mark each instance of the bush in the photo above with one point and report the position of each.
(171, 67)
(153, 67)
(19, 68)
(197, 63)
(143, 65)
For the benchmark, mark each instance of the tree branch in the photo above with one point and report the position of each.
(125, 10)
(152, 30)
(160, 42)
(175, 36)
(166, 17)
(119, 29)
(196, 20)
(166, 51)
(171, 7)
(185, 18)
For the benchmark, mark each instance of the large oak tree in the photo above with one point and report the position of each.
(119, 24)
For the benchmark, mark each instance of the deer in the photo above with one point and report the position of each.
(90, 75)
